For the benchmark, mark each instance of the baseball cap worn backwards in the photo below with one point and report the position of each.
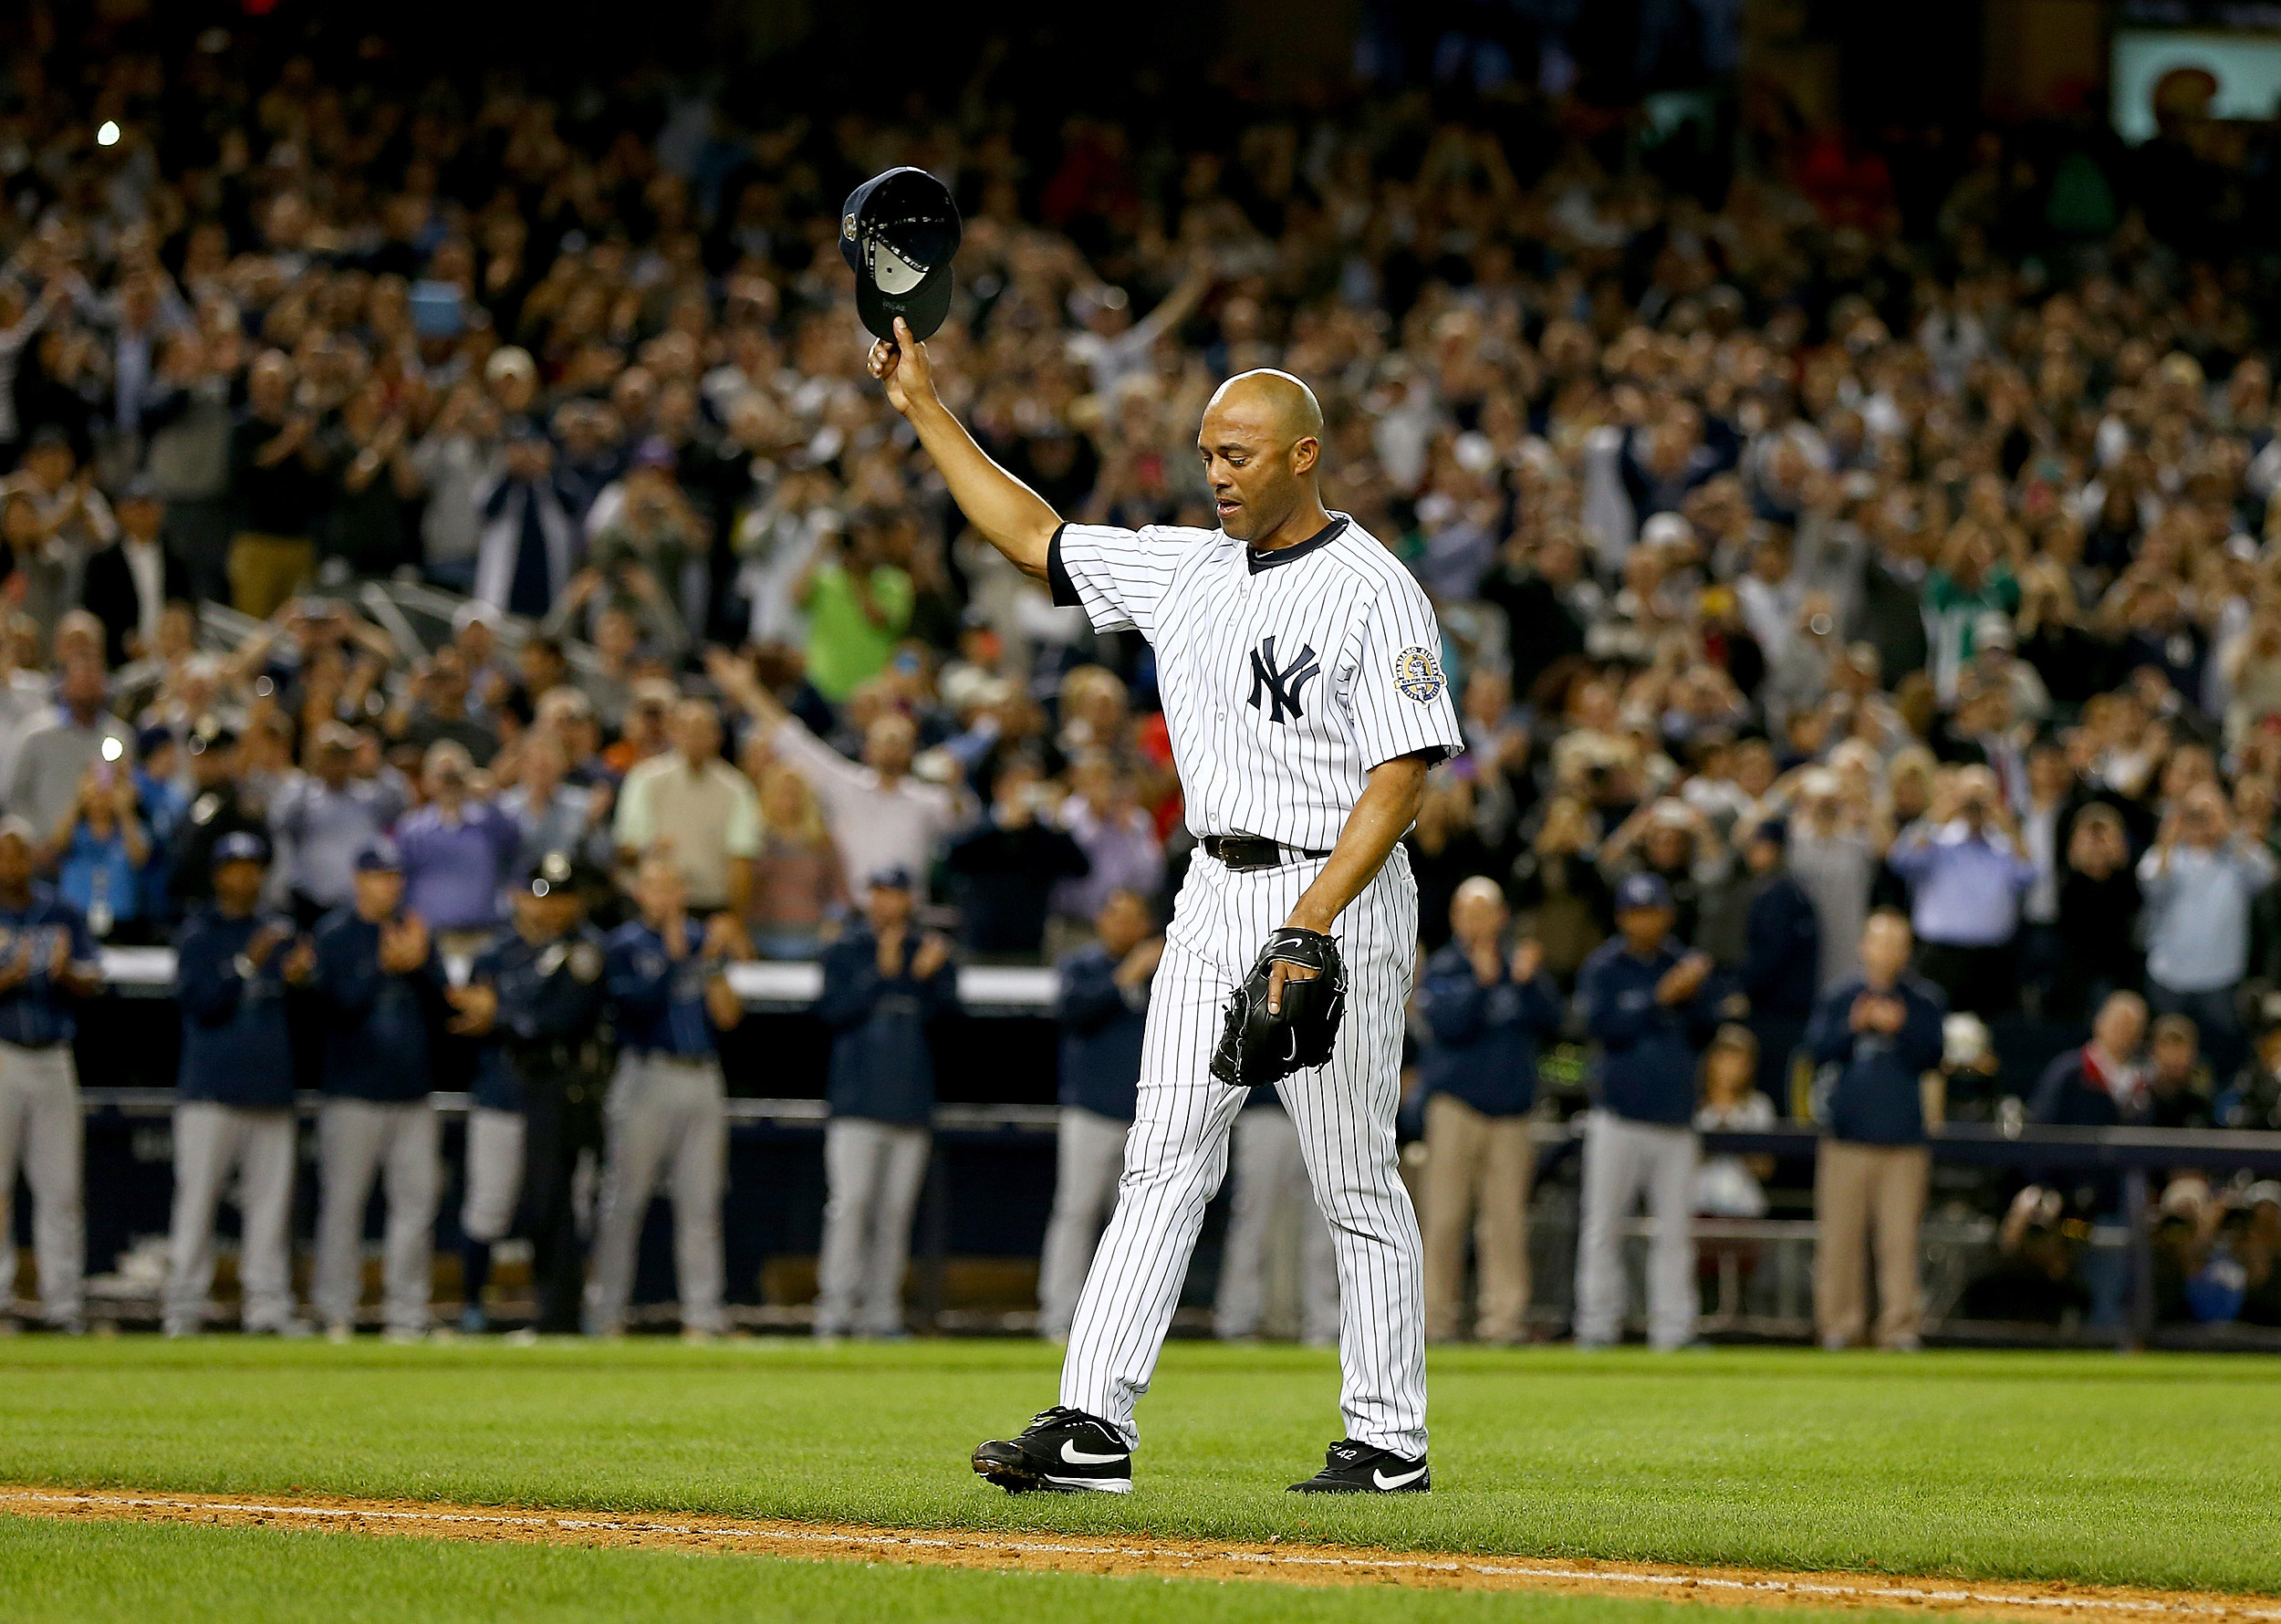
(898, 231)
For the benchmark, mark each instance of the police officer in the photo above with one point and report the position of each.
(380, 985)
(1649, 1004)
(235, 1093)
(1102, 1008)
(667, 1110)
(48, 964)
(217, 811)
(536, 994)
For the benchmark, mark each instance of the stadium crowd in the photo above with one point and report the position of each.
(1862, 621)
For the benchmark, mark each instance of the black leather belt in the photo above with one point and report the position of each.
(1242, 852)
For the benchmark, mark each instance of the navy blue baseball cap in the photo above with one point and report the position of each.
(379, 857)
(898, 231)
(240, 848)
(893, 878)
(1642, 890)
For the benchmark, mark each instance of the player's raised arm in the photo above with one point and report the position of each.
(1010, 517)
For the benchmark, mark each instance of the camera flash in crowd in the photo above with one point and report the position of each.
(113, 749)
(107, 136)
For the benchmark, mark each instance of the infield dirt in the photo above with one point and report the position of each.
(1141, 1555)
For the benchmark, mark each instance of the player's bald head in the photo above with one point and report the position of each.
(1261, 440)
(1266, 399)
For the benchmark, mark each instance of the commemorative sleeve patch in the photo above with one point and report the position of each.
(1418, 673)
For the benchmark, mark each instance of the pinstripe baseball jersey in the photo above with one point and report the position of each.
(1285, 676)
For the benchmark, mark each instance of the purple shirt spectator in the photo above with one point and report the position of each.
(455, 863)
(1122, 847)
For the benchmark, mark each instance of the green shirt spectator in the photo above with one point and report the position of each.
(854, 619)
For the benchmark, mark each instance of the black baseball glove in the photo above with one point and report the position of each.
(1258, 1048)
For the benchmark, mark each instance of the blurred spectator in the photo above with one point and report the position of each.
(696, 810)
(1558, 889)
(1101, 1007)
(131, 582)
(1118, 839)
(799, 882)
(528, 546)
(1005, 868)
(1837, 846)
(553, 815)
(54, 758)
(879, 816)
(101, 846)
(2098, 910)
(2034, 1280)
(856, 604)
(57, 519)
(2101, 1084)
(276, 474)
(1966, 875)
(1648, 1004)
(1485, 1015)
(2200, 881)
(885, 986)
(1782, 960)
(1730, 1101)
(1877, 1036)
(328, 816)
(2177, 1086)
(441, 711)
(458, 850)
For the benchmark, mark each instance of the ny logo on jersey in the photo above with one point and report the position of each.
(1282, 686)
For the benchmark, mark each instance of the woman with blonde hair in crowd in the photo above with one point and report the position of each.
(800, 883)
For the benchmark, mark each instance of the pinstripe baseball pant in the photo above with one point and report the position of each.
(1177, 1151)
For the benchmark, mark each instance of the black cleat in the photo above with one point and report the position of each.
(1353, 1468)
(1061, 1448)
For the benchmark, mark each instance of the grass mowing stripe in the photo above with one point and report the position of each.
(2154, 1472)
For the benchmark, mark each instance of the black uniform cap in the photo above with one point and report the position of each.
(898, 231)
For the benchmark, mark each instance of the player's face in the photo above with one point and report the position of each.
(378, 890)
(237, 884)
(1644, 928)
(1254, 483)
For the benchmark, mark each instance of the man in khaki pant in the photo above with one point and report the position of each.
(1486, 1015)
(1873, 1037)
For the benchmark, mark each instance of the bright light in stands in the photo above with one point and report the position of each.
(108, 135)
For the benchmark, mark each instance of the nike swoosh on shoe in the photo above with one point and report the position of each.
(1384, 1482)
(1077, 1457)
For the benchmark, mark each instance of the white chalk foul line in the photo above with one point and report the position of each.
(1616, 1575)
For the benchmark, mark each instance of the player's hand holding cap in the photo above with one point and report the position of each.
(898, 231)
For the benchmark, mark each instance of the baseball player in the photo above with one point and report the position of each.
(234, 1110)
(667, 1109)
(48, 964)
(1268, 1200)
(1300, 668)
(1101, 1007)
(379, 985)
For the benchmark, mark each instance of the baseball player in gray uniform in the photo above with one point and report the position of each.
(1301, 673)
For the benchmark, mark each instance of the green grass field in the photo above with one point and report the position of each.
(2157, 1471)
